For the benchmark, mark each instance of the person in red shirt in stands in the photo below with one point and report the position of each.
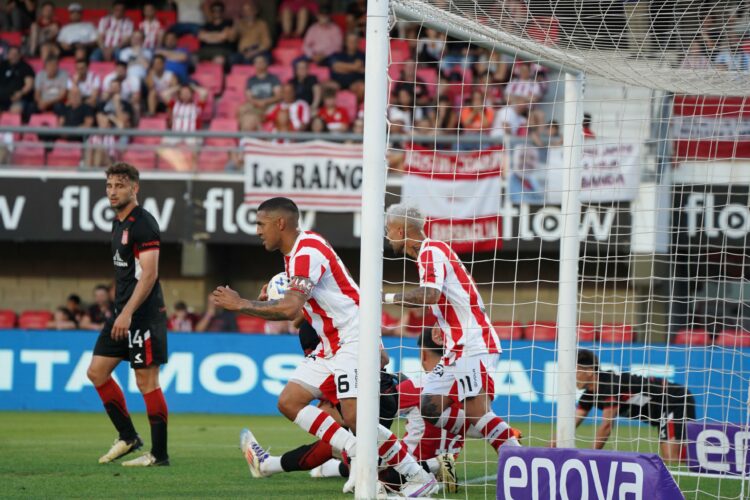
(587, 132)
(182, 320)
(335, 117)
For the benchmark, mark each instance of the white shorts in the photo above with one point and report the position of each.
(314, 371)
(466, 378)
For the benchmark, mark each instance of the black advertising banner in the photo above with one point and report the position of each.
(713, 215)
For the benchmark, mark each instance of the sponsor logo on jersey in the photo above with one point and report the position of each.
(117, 260)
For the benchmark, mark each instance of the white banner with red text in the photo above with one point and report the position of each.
(459, 193)
(317, 175)
(710, 127)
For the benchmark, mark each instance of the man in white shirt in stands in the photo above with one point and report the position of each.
(508, 120)
(76, 33)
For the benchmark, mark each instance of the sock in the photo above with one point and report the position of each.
(114, 403)
(320, 424)
(395, 455)
(156, 408)
(431, 465)
(307, 456)
(273, 465)
(494, 430)
(452, 420)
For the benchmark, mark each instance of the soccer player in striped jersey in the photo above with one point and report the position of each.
(322, 289)
(471, 347)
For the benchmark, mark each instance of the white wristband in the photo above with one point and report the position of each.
(389, 298)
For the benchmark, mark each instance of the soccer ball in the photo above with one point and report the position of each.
(277, 287)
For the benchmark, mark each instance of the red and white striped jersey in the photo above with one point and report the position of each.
(528, 89)
(332, 306)
(423, 439)
(185, 116)
(150, 29)
(460, 310)
(88, 86)
(299, 113)
(115, 32)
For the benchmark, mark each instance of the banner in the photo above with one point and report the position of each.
(460, 194)
(710, 127)
(317, 175)
(714, 215)
(240, 373)
(571, 473)
(610, 172)
(718, 448)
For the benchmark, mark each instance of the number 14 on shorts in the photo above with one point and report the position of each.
(136, 338)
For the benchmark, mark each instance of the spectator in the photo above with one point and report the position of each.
(348, 67)
(100, 311)
(356, 16)
(76, 33)
(431, 48)
(249, 122)
(137, 57)
(263, 89)
(151, 27)
(306, 86)
(74, 307)
(182, 320)
(177, 59)
(43, 30)
(62, 320)
(318, 125)
(254, 37)
(401, 111)
(446, 118)
(191, 16)
(161, 84)
(508, 120)
(114, 33)
(16, 82)
(323, 39)
(75, 113)
(50, 85)
(87, 82)
(129, 88)
(299, 110)
(524, 87)
(545, 137)
(295, 14)
(335, 117)
(185, 114)
(587, 132)
(281, 125)
(279, 327)
(413, 84)
(112, 114)
(477, 116)
(216, 37)
(18, 15)
(216, 319)
(696, 57)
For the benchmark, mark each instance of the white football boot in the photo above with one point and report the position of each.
(120, 448)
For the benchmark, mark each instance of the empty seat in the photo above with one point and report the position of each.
(508, 330)
(283, 73)
(222, 124)
(541, 330)
(11, 120)
(34, 320)
(36, 64)
(143, 159)
(226, 107)
(692, 337)
(290, 42)
(65, 154)
(210, 76)
(166, 17)
(101, 68)
(7, 318)
(93, 15)
(586, 332)
(347, 100)
(322, 72)
(28, 154)
(150, 123)
(250, 324)
(616, 333)
(733, 339)
(12, 37)
(212, 161)
(236, 83)
(285, 56)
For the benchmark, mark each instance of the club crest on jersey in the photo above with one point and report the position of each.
(439, 370)
(124, 239)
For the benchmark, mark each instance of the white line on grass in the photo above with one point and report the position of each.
(477, 480)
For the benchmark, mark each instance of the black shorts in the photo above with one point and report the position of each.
(146, 344)
(673, 419)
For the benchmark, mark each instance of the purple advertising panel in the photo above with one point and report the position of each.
(548, 473)
(718, 448)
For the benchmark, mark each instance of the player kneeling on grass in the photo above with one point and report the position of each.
(471, 347)
(654, 400)
(323, 290)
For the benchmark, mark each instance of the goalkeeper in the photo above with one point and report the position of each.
(654, 400)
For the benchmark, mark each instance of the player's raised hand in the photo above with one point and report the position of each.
(227, 298)
(121, 326)
(263, 295)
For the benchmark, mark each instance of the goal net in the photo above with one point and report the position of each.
(646, 151)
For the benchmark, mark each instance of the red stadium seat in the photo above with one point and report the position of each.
(250, 324)
(223, 124)
(143, 159)
(340, 20)
(11, 120)
(286, 55)
(166, 17)
(12, 37)
(586, 332)
(135, 15)
(68, 64)
(283, 73)
(236, 83)
(189, 42)
(62, 15)
(541, 330)
(101, 69)
(692, 337)
(210, 76)
(290, 42)
(400, 51)
(36, 64)
(150, 123)
(7, 318)
(616, 333)
(509, 330)
(226, 107)
(347, 100)
(65, 154)
(733, 339)
(94, 15)
(34, 320)
(322, 72)
(29, 154)
(212, 161)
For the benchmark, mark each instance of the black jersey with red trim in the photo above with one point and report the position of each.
(136, 234)
(634, 396)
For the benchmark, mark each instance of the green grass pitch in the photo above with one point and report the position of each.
(54, 455)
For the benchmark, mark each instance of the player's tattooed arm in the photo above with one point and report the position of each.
(286, 308)
(416, 297)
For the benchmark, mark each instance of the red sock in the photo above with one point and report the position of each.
(156, 408)
(114, 403)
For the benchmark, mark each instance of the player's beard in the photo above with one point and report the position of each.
(122, 204)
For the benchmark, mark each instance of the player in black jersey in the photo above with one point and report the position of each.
(654, 400)
(137, 330)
